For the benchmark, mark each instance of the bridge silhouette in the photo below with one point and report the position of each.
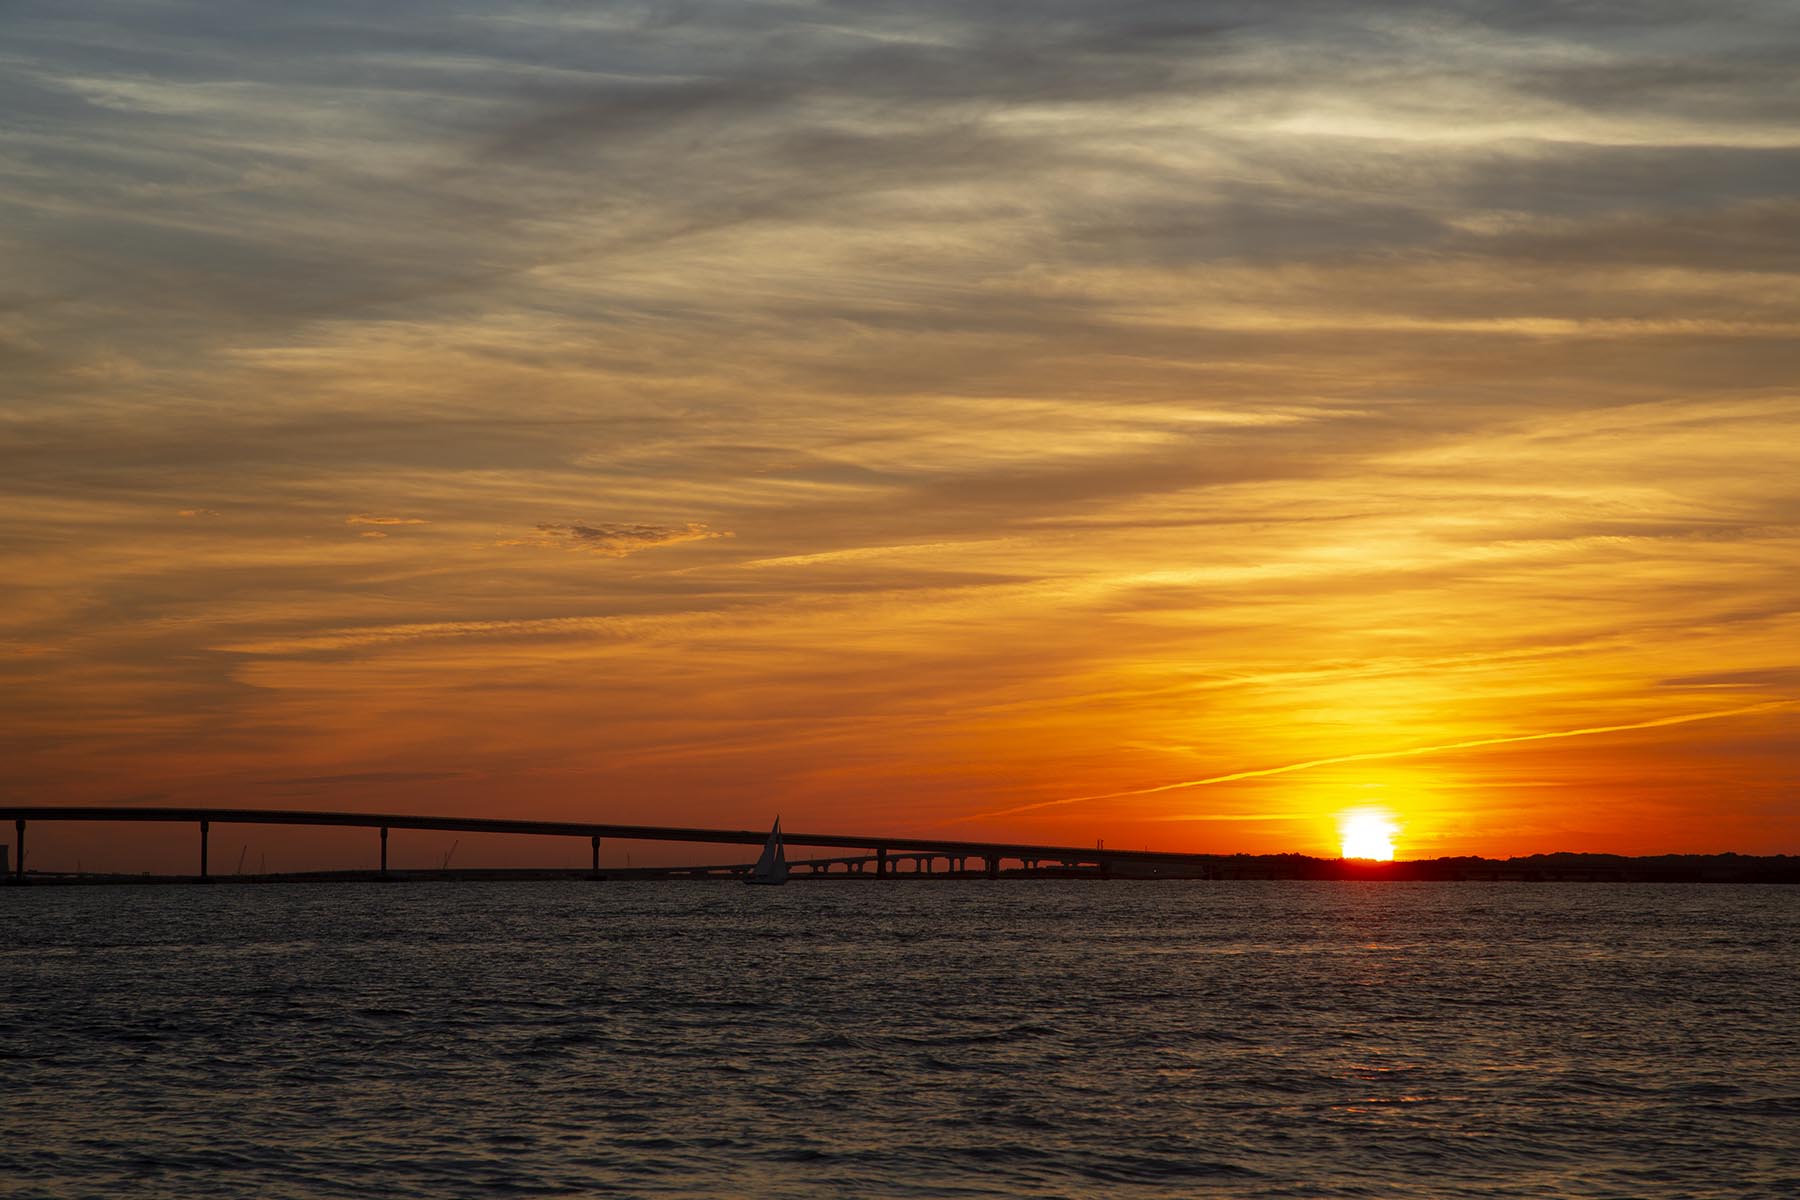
(881, 854)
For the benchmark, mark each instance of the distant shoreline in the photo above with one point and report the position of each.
(1537, 868)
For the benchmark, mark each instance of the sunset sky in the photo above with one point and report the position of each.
(1174, 423)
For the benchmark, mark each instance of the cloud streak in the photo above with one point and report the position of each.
(618, 541)
(1386, 755)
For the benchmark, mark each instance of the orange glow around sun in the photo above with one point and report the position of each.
(1367, 835)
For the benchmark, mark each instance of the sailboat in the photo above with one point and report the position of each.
(771, 868)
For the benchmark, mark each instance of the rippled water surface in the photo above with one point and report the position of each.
(900, 1039)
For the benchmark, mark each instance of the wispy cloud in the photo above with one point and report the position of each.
(617, 541)
(369, 519)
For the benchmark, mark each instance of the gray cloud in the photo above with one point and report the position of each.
(617, 541)
(184, 134)
(1761, 237)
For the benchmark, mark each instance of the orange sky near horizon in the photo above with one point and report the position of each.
(927, 421)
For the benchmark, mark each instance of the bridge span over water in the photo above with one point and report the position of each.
(881, 854)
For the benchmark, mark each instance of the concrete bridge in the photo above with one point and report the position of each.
(882, 856)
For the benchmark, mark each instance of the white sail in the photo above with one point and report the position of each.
(772, 866)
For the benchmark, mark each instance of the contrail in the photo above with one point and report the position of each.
(1375, 755)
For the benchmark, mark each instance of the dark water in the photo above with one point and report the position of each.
(902, 1039)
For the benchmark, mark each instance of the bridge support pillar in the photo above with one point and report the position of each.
(880, 858)
(19, 846)
(594, 845)
(993, 866)
(384, 851)
(205, 828)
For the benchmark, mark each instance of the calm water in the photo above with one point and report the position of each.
(904, 1039)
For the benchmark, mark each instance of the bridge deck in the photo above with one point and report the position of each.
(880, 843)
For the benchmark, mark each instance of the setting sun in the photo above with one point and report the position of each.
(1367, 835)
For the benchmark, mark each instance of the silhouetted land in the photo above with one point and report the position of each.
(1535, 868)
